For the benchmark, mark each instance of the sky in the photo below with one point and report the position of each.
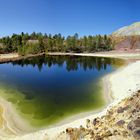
(85, 17)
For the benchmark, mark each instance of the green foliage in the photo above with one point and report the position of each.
(35, 43)
(29, 49)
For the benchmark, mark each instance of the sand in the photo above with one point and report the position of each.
(122, 84)
(11, 124)
(6, 56)
(112, 54)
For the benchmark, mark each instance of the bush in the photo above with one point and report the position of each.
(29, 49)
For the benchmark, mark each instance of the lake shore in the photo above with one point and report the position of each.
(15, 57)
(11, 124)
(127, 75)
(112, 54)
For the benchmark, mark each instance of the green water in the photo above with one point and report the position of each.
(47, 89)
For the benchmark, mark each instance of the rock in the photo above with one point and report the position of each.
(137, 123)
(131, 98)
(134, 111)
(126, 107)
(69, 130)
(120, 123)
(87, 123)
(82, 128)
(133, 124)
(108, 133)
(102, 117)
(120, 110)
(96, 128)
(87, 120)
(95, 121)
(125, 133)
(115, 132)
(110, 112)
(91, 132)
(130, 126)
(98, 138)
(137, 134)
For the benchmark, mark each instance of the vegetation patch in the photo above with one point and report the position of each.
(37, 43)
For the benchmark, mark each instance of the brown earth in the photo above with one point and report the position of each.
(127, 43)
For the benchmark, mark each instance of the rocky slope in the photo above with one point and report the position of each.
(127, 44)
(121, 122)
(127, 38)
(130, 30)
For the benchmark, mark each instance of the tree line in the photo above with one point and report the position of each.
(35, 43)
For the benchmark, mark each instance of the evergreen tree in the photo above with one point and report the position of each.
(37, 42)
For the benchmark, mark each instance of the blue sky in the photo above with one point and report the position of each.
(67, 16)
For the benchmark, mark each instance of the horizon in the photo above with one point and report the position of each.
(67, 17)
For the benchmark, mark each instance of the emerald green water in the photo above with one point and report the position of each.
(47, 89)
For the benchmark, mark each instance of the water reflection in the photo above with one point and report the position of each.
(73, 63)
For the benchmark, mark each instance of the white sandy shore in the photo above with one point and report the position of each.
(112, 54)
(12, 123)
(7, 56)
(121, 84)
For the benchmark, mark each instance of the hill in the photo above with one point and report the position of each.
(131, 30)
(127, 38)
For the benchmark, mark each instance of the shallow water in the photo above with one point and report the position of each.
(47, 89)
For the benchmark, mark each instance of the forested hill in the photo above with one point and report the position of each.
(37, 43)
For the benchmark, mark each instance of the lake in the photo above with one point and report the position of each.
(47, 89)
